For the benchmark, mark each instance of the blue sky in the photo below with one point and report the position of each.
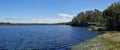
(47, 11)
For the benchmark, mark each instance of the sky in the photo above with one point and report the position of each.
(47, 11)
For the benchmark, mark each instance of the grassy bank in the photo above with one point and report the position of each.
(106, 41)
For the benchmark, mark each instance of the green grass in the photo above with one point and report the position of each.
(111, 40)
(106, 41)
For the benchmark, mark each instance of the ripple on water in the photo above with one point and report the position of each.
(43, 37)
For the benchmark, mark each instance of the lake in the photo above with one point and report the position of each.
(43, 37)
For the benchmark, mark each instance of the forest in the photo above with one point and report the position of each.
(109, 18)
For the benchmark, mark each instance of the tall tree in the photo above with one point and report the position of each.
(112, 16)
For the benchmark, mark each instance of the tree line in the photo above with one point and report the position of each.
(109, 18)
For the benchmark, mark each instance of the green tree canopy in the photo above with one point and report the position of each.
(112, 16)
(88, 16)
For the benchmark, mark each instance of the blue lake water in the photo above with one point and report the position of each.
(43, 37)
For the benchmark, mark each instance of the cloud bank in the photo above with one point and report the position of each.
(62, 17)
(36, 20)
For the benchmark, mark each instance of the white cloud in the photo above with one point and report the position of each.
(37, 20)
(65, 15)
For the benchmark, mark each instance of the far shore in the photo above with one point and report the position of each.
(14, 24)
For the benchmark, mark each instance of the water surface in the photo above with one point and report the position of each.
(43, 37)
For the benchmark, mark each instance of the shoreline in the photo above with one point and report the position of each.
(106, 41)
